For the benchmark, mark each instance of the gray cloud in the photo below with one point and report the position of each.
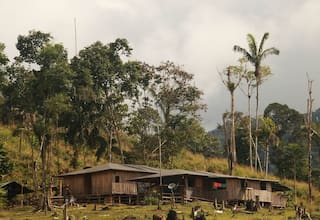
(196, 34)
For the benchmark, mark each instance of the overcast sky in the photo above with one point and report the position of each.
(199, 35)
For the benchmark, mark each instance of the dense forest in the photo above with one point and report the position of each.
(100, 104)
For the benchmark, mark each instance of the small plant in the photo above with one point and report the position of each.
(152, 198)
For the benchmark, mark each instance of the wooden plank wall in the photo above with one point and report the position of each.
(253, 184)
(75, 183)
(102, 181)
(124, 188)
(279, 200)
(234, 191)
(198, 182)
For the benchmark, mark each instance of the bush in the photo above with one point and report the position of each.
(152, 198)
(6, 165)
(3, 198)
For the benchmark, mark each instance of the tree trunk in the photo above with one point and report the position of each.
(110, 146)
(226, 142)
(250, 129)
(257, 127)
(34, 171)
(233, 139)
(267, 160)
(120, 146)
(309, 127)
(43, 202)
(84, 150)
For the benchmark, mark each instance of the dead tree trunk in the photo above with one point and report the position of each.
(309, 141)
(226, 142)
(233, 136)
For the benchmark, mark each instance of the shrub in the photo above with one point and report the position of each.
(3, 198)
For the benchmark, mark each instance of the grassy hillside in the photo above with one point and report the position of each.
(20, 152)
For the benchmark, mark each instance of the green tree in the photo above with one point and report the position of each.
(249, 80)
(15, 93)
(197, 140)
(3, 62)
(242, 138)
(29, 46)
(50, 79)
(3, 57)
(296, 156)
(6, 164)
(143, 126)
(255, 55)
(289, 122)
(177, 102)
(106, 84)
(267, 132)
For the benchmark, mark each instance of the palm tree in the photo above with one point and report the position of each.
(255, 55)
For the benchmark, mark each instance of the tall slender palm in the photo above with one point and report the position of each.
(255, 55)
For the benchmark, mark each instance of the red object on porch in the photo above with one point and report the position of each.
(217, 185)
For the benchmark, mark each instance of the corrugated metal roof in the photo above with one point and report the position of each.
(112, 166)
(155, 173)
(177, 172)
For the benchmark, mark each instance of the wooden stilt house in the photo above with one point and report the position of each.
(191, 185)
(104, 183)
(126, 183)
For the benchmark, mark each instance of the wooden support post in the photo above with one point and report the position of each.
(258, 202)
(60, 187)
(65, 212)
(215, 203)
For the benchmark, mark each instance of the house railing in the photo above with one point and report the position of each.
(252, 194)
(199, 193)
(279, 200)
(244, 194)
(124, 188)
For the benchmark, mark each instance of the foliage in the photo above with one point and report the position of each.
(242, 139)
(152, 198)
(3, 198)
(104, 84)
(3, 57)
(255, 55)
(3, 62)
(6, 165)
(30, 45)
(178, 103)
(296, 156)
(143, 126)
(288, 120)
(268, 137)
